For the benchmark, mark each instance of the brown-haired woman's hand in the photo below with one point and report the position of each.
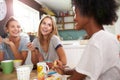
(30, 46)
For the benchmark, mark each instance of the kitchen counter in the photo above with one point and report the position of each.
(75, 42)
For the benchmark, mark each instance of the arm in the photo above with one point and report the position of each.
(74, 74)
(36, 56)
(18, 55)
(61, 54)
(14, 48)
(1, 56)
(62, 70)
(59, 49)
(1, 52)
(24, 54)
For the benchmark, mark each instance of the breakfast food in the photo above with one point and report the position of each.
(58, 68)
(55, 64)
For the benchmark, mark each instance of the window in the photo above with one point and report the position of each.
(27, 16)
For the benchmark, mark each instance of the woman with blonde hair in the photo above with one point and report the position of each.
(14, 45)
(47, 46)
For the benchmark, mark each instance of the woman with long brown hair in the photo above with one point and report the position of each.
(47, 46)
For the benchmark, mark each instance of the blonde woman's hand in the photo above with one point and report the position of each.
(7, 41)
(30, 46)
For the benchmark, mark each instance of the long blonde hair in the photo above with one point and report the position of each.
(10, 19)
(54, 30)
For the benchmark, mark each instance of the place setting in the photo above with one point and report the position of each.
(14, 70)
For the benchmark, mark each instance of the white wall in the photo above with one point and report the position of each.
(73, 54)
(115, 29)
(117, 24)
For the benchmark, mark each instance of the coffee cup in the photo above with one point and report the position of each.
(27, 65)
(7, 66)
(23, 73)
(17, 63)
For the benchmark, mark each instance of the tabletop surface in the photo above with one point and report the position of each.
(13, 75)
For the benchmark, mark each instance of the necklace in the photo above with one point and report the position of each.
(45, 55)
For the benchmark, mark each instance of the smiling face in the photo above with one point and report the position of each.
(46, 26)
(80, 20)
(13, 29)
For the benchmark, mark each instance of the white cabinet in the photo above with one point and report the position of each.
(73, 54)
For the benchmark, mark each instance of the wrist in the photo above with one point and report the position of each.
(68, 71)
(64, 71)
(11, 44)
(33, 50)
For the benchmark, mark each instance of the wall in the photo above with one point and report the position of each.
(115, 28)
(73, 54)
(71, 34)
(9, 3)
(117, 24)
(32, 3)
(9, 13)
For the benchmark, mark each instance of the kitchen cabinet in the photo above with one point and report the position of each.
(73, 54)
(73, 51)
(65, 22)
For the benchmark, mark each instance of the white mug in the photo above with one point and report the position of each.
(42, 69)
(23, 73)
(44, 66)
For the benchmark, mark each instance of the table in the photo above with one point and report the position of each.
(13, 75)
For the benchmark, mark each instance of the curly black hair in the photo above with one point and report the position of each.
(103, 11)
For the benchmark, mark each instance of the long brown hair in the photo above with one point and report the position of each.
(54, 30)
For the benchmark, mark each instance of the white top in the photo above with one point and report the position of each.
(100, 59)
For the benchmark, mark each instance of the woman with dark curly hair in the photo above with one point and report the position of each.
(100, 59)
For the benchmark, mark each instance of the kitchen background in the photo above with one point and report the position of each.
(29, 13)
